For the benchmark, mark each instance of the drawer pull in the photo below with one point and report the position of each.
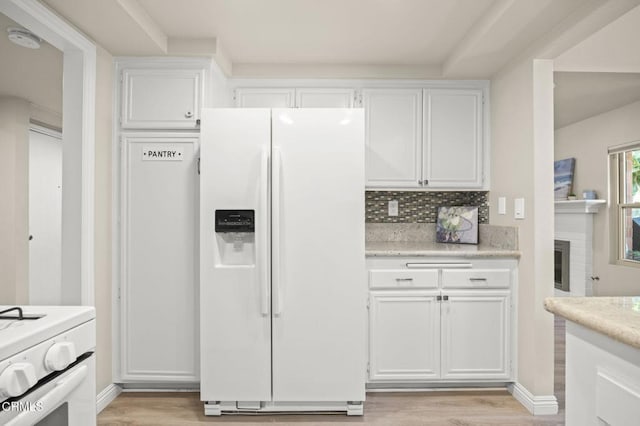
(404, 279)
(437, 265)
(477, 279)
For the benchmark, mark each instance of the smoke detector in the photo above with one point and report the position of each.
(24, 38)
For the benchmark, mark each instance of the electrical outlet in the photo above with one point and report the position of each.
(393, 207)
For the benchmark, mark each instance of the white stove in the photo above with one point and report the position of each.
(47, 365)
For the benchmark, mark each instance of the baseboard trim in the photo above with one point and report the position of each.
(544, 405)
(107, 396)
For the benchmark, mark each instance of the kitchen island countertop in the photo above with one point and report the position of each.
(615, 317)
(433, 249)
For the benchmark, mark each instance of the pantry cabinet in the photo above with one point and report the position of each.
(158, 296)
(161, 98)
(156, 231)
(440, 321)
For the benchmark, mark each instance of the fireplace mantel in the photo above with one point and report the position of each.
(579, 206)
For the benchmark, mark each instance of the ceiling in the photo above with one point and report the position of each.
(581, 95)
(599, 74)
(402, 38)
(412, 38)
(31, 74)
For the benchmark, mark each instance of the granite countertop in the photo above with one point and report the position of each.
(616, 317)
(428, 248)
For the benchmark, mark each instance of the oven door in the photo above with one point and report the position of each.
(67, 399)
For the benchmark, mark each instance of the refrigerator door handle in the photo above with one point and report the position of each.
(264, 278)
(275, 234)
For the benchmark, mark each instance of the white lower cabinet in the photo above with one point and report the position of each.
(425, 326)
(475, 335)
(404, 324)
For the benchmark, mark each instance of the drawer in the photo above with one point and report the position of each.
(476, 278)
(398, 278)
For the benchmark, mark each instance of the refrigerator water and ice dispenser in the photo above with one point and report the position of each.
(235, 236)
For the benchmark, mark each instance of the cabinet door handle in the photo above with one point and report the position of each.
(445, 298)
(477, 279)
(438, 298)
(404, 279)
(419, 182)
(188, 114)
(427, 265)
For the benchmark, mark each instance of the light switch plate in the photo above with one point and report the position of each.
(502, 205)
(393, 207)
(518, 208)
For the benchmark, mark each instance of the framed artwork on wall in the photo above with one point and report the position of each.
(563, 177)
(458, 224)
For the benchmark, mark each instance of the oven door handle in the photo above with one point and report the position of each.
(52, 399)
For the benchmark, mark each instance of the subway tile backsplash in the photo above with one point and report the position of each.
(422, 207)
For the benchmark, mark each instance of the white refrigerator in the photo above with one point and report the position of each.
(282, 264)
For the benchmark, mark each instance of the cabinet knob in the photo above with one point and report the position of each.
(419, 182)
(188, 114)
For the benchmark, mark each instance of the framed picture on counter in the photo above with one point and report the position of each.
(457, 224)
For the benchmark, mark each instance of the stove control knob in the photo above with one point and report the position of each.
(16, 379)
(60, 355)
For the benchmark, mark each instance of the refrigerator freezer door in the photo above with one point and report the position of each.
(235, 320)
(318, 201)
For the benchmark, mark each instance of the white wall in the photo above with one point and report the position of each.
(33, 75)
(522, 166)
(613, 48)
(14, 201)
(103, 197)
(587, 141)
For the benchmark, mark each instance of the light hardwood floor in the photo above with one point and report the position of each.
(458, 408)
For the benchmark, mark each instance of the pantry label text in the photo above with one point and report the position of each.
(162, 153)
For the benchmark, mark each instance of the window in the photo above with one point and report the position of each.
(626, 164)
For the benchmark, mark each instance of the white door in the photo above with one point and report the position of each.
(324, 98)
(235, 314)
(475, 335)
(265, 97)
(161, 99)
(404, 335)
(393, 137)
(45, 217)
(453, 138)
(159, 237)
(318, 263)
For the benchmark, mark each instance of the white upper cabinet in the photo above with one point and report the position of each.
(429, 136)
(393, 134)
(274, 97)
(324, 98)
(161, 98)
(265, 98)
(453, 138)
